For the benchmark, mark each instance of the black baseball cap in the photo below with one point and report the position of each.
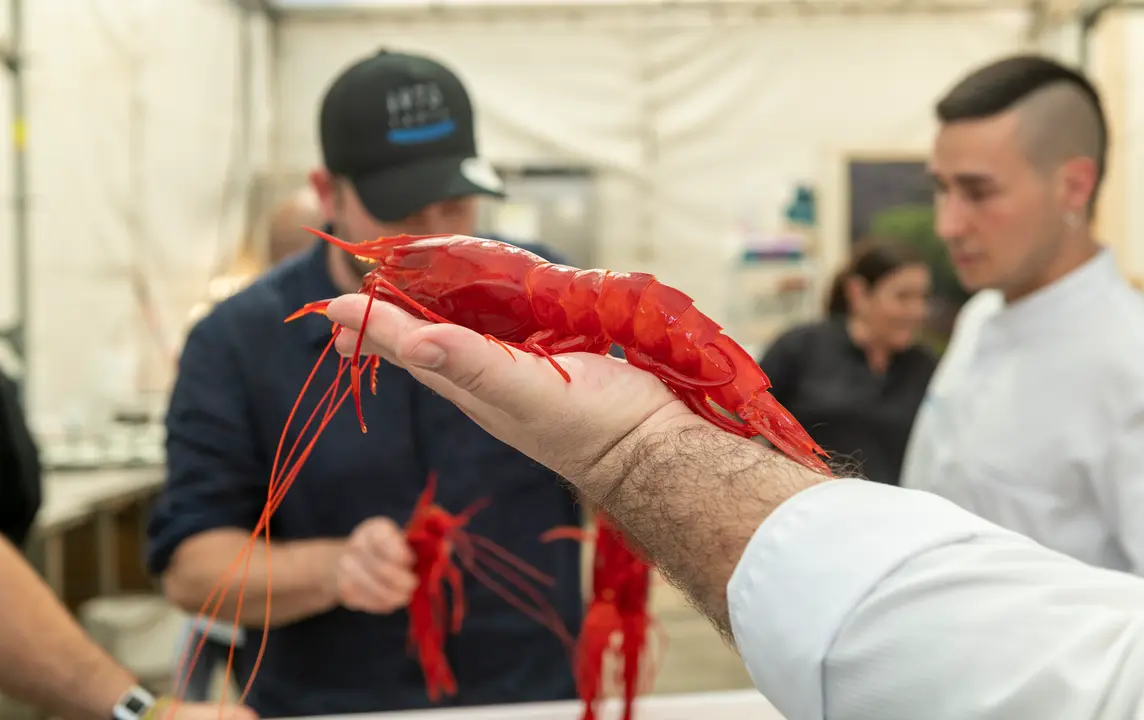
(400, 127)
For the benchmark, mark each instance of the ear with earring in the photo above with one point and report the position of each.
(1072, 219)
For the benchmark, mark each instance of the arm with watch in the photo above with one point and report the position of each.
(47, 660)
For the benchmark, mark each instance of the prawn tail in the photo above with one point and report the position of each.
(735, 383)
(758, 412)
(700, 363)
(767, 417)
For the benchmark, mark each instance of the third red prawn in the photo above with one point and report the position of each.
(618, 614)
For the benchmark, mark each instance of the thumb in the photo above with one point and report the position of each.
(455, 361)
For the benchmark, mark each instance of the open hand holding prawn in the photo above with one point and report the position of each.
(518, 299)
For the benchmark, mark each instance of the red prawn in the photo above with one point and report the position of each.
(618, 611)
(520, 300)
(435, 535)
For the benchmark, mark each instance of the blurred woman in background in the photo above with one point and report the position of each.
(855, 380)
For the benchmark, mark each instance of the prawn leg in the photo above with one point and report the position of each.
(578, 534)
(697, 403)
(644, 362)
(545, 344)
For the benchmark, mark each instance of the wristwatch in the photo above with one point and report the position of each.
(133, 704)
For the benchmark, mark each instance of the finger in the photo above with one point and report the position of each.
(395, 335)
(362, 590)
(210, 711)
(386, 541)
(390, 326)
(234, 712)
(459, 364)
(387, 324)
(396, 582)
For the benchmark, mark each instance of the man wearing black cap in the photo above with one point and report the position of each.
(399, 154)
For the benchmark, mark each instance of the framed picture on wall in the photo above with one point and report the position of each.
(878, 184)
(888, 194)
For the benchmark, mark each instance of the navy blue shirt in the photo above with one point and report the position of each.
(240, 372)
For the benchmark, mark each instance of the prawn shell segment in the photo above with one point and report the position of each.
(480, 284)
(619, 304)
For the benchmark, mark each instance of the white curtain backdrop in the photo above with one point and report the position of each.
(150, 120)
(145, 119)
(1131, 152)
(695, 125)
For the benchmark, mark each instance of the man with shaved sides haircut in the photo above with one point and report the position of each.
(1035, 417)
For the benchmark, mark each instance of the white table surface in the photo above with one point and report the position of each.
(71, 497)
(728, 705)
(75, 498)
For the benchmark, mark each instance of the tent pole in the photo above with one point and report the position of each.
(1090, 18)
(17, 334)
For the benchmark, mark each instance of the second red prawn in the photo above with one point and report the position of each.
(435, 536)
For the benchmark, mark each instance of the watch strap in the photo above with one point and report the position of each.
(135, 703)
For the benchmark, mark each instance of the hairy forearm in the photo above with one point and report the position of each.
(692, 496)
(46, 658)
(302, 573)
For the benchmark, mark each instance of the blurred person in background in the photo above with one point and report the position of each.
(855, 379)
(285, 238)
(21, 475)
(48, 661)
(399, 156)
(1035, 417)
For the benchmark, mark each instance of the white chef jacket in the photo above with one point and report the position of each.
(1034, 418)
(862, 601)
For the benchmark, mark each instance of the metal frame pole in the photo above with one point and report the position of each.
(17, 334)
(1090, 18)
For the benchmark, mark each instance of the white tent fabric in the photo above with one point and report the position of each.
(149, 120)
(1131, 154)
(696, 125)
(143, 126)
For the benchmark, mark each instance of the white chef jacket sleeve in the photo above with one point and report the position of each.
(861, 601)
